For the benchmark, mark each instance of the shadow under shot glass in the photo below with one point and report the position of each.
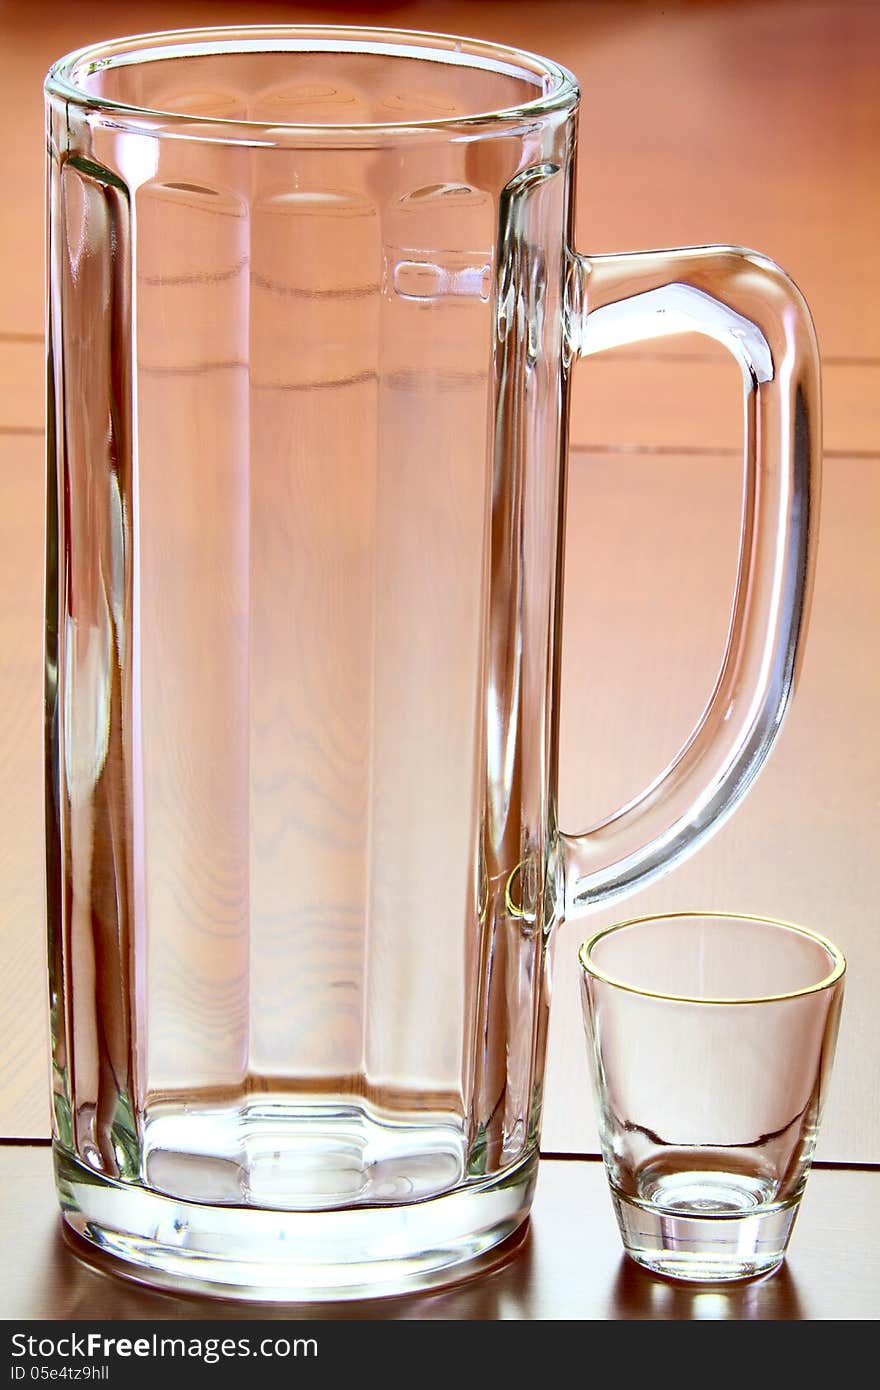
(712, 1038)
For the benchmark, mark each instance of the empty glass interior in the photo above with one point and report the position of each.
(311, 483)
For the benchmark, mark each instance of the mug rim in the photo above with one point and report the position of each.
(65, 77)
(590, 967)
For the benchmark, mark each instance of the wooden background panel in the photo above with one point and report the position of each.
(649, 575)
(22, 382)
(654, 400)
(632, 399)
(753, 122)
(640, 656)
(750, 122)
(24, 1103)
(644, 399)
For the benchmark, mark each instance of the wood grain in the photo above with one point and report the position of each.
(570, 1266)
(650, 401)
(635, 399)
(22, 384)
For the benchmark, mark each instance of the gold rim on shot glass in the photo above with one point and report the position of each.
(712, 1037)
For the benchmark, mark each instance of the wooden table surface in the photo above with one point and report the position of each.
(569, 1267)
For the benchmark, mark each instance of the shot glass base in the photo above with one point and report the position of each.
(704, 1249)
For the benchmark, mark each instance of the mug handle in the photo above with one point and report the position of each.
(744, 301)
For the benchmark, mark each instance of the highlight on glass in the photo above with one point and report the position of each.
(711, 1039)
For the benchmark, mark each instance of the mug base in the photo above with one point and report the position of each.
(273, 1256)
(704, 1249)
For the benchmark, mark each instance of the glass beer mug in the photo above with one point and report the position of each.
(313, 315)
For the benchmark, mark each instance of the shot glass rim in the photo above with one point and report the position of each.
(561, 90)
(590, 967)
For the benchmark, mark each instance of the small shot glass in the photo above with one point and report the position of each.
(712, 1038)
